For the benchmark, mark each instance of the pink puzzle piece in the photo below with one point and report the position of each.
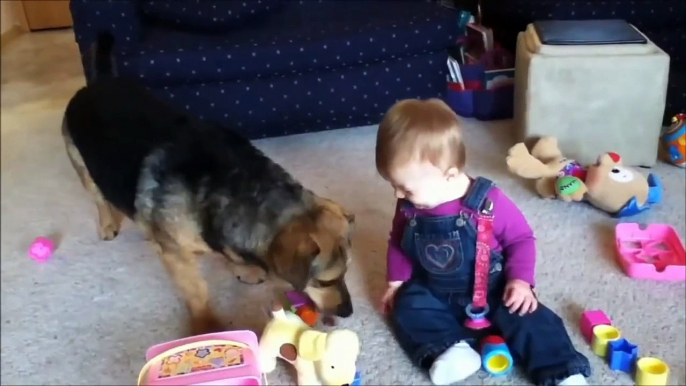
(590, 319)
(655, 252)
(41, 249)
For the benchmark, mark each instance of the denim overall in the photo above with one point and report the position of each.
(429, 311)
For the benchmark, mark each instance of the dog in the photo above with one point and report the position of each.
(194, 188)
(320, 358)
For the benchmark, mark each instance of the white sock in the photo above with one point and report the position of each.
(455, 364)
(574, 380)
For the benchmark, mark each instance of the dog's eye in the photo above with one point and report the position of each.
(332, 367)
(326, 283)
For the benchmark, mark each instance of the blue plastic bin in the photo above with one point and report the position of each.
(482, 104)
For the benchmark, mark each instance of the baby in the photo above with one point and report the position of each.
(439, 276)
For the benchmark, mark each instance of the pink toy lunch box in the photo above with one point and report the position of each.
(225, 358)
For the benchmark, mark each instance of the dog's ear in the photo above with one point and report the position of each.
(350, 217)
(335, 207)
(295, 263)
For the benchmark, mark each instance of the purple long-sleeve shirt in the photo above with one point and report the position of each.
(513, 237)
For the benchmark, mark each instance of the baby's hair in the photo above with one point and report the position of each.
(416, 130)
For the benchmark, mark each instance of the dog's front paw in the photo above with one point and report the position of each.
(108, 232)
(249, 274)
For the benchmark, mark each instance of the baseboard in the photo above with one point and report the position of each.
(9, 36)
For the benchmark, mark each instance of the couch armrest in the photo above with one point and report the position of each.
(122, 18)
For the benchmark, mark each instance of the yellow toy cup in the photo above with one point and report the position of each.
(603, 334)
(651, 372)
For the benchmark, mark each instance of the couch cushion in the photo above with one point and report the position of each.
(343, 97)
(208, 15)
(303, 36)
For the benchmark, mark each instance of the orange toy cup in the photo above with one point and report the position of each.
(308, 315)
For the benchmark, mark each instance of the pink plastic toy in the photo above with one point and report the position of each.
(41, 249)
(590, 319)
(656, 252)
(225, 358)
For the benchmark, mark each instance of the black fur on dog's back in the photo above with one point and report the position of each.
(115, 123)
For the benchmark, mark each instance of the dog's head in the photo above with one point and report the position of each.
(312, 253)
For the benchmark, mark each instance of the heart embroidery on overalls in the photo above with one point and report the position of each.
(441, 255)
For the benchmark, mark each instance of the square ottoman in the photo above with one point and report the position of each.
(594, 97)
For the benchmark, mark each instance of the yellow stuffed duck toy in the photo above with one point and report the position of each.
(320, 358)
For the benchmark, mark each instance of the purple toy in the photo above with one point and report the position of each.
(298, 299)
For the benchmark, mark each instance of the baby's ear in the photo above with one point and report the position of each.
(452, 173)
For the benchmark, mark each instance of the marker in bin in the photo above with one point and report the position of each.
(455, 76)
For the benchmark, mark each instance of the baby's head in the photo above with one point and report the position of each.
(419, 150)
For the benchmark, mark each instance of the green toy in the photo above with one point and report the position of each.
(570, 188)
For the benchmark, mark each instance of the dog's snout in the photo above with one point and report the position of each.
(344, 309)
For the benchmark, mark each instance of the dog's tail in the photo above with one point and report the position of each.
(103, 64)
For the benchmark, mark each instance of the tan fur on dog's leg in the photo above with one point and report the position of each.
(185, 273)
(109, 218)
(245, 273)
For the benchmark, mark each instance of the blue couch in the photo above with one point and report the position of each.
(276, 67)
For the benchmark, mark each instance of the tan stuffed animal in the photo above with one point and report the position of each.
(320, 358)
(607, 185)
(611, 186)
(546, 165)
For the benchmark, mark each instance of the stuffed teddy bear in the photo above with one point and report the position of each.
(320, 358)
(607, 184)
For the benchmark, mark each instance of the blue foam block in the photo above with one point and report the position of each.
(621, 355)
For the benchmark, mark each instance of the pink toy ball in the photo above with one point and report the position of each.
(41, 249)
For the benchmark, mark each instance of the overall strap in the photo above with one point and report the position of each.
(407, 208)
(474, 200)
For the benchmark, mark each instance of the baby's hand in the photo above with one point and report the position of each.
(519, 296)
(387, 299)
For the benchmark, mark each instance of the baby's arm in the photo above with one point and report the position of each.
(516, 238)
(398, 265)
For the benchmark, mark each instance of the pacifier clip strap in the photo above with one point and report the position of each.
(477, 310)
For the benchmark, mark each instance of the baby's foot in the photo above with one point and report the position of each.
(574, 380)
(455, 364)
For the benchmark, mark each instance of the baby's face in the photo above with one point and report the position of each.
(421, 183)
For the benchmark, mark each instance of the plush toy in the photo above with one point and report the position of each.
(607, 184)
(320, 358)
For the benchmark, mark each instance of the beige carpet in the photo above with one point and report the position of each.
(88, 315)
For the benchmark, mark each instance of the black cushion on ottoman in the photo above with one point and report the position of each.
(587, 32)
